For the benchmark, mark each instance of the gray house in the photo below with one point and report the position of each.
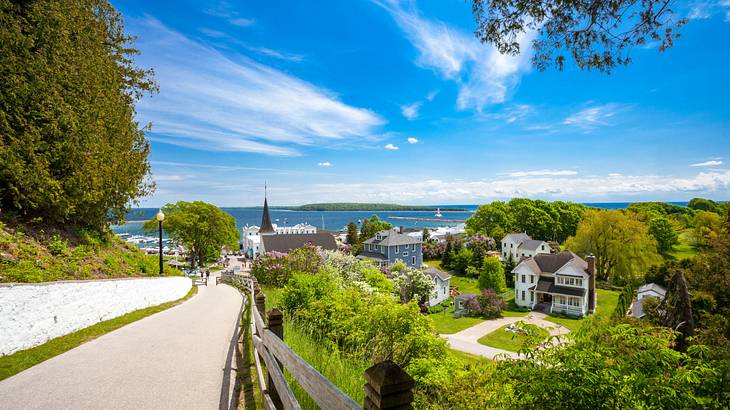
(387, 247)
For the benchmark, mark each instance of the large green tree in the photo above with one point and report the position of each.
(201, 227)
(662, 230)
(597, 34)
(622, 245)
(71, 151)
(491, 275)
(372, 226)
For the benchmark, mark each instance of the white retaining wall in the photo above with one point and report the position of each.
(31, 314)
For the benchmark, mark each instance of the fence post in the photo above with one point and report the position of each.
(388, 387)
(276, 325)
(260, 301)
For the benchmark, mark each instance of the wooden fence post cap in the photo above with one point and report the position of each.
(387, 377)
(275, 316)
(260, 296)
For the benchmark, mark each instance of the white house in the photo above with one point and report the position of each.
(649, 290)
(441, 290)
(520, 246)
(558, 282)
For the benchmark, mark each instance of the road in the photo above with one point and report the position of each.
(181, 358)
(466, 340)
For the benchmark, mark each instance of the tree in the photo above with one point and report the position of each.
(532, 220)
(462, 260)
(426, 235)
(372, 226)
(621, 243)
(706, 227)
(201, 227)
(353, 239)
(509, 266)
(702, 204)
(411, 283)
(664, 234)
(597, 34)
(71, 151)
(491, 275)
(676, 309)
(493, 220)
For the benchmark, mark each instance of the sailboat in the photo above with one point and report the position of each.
(438, 213)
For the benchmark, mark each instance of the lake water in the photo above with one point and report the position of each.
(334, 220)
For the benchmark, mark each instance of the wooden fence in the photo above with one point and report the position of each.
(387, 385)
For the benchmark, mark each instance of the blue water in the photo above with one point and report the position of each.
(334, 220)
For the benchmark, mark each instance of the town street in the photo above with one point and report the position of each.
(181, 358)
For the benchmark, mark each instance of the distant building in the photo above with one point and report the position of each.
(258, 239)
(649, 290)
(557, 282)
(520, 246)
(389, 246)
(441, 289)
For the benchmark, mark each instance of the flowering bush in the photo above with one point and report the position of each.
(488, 305)
(434, 250)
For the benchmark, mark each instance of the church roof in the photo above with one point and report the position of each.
(266, 226)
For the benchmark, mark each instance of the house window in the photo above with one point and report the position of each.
(405, 253)
(511, 245)
(413, 260)
(573, 302)
(523, 295)
(532, 279)
(413, 247)
(523, 281)
(532, 296)
(542, 247)
(396, 248)
(505, 254)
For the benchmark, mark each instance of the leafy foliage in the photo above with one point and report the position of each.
(665, 235)
(201, 227)
(492, 275)
(622, 245)
(71, 152)
(596, 34)
(411, 284)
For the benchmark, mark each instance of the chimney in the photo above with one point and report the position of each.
(591, 260)
(400, 229)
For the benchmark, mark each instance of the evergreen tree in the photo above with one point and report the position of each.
(426, 235)
(491, 275)
(676, 309)
(509, 266)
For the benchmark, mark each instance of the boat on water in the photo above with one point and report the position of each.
(438, 213)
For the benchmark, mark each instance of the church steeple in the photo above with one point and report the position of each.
(266, 227)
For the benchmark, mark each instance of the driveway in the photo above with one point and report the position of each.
(466, 340)
(181, 358)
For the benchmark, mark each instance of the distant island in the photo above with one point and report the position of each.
(354, 206)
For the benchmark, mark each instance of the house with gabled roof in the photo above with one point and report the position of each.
(441, 287)
(389, 246)
(519, 246)
(559, 282)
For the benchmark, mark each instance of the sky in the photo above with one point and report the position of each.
(398, 102)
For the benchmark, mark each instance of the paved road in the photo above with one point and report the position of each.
(182, 358)
(466, 340)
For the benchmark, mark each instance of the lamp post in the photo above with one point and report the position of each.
(160, 217)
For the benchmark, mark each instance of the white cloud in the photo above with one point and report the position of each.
(214, 102)
(548, 187)
(484, 76)
(390, 147)
(592, 117)
(277, 54)
(410, 111)
(431, 95)
(712, 163)
(242, 22)
(412, 140)
(542, 172)
(324, 164)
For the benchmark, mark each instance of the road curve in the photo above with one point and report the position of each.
(181, 358)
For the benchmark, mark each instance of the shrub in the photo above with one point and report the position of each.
(57, 246)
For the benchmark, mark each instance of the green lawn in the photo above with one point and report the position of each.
(685, 249)
(446, 324)
(607, 301)
(469, 359)
(465, 284)
(502, 339)
(24, 359)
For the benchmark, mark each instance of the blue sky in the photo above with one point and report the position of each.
(387, 101)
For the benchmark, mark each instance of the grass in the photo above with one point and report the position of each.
(469, 359)
(24, 359)
(465, 284)
(607, 301)
(513, 342)
(446, 324)
(685, 249)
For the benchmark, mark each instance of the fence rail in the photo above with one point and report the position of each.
(387, 387)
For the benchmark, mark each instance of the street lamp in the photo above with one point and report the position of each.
(160, 217)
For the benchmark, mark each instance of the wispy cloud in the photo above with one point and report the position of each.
(212, 102)
(432, 94)
(711, 163)
(700, 10)
(593, 117)
(541, 173)
(324, 164)
(576, 188)
(410, 111)
(391, 147)
(281, 55)
(412, 140)
(511, 113)
(242, 22)
(484, 76)
(225, 11)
